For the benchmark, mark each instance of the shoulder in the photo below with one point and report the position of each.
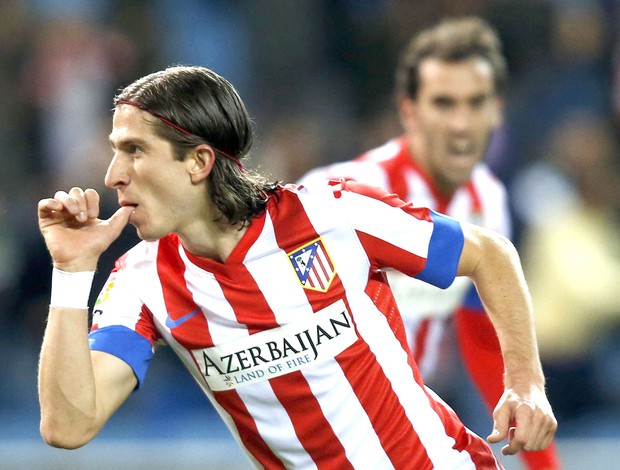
(486, 182)
(387, 152)
(371, 167)
(352, 197)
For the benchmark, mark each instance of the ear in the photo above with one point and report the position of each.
(200, 162)
(408, 112)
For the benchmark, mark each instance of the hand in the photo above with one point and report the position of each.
(74, 235)
(525, 419)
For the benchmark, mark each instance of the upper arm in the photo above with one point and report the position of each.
(471, 250)
(484, 246)
(114, 381)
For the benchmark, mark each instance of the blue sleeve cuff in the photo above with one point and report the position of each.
(126, 344)
(444, 251)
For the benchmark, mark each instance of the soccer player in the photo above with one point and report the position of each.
(449, 85)
(272, 296)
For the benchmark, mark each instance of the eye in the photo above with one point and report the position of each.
(479, 101)
(133, 150)
(443, 102)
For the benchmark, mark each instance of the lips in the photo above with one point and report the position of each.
(124, 203)
(462, 147)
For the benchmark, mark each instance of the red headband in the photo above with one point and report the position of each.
(180, 129)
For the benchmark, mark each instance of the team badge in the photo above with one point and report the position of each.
(313, 266)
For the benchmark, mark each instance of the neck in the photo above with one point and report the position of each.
(214, 241)
(440, 186)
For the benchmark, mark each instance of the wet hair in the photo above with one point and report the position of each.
(194, 106)
(451, 40)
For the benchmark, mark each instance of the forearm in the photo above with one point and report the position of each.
(66, 380)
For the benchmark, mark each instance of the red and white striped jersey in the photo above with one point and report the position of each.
(481, 201)
(295, 338)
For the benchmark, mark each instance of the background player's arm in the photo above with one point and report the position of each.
(492, 262)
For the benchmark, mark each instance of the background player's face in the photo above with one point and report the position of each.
(146, 175)
(451, 120)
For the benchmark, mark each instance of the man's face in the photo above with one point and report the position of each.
(451, 120)
(146, 175)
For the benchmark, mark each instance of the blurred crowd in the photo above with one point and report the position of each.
(317, 76)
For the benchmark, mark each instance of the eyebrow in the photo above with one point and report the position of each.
(124, 141)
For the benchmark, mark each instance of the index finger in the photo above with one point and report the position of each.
(47, 206)
(501, 423)
(520, 434)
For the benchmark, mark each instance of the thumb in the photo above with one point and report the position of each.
(119, 219)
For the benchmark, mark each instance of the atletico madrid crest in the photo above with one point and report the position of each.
(313, 266)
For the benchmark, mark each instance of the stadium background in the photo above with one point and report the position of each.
(317, 76)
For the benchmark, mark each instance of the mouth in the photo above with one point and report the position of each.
(462, 147)
(127, 204)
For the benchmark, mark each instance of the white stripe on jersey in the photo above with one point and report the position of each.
(275, 425)
(341, 406)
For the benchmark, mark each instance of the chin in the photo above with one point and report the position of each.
(145, 235)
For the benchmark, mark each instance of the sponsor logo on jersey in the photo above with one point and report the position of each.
(279, 351)
(313, 266)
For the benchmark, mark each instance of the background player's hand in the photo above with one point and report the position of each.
(73, 233)
(524, 419)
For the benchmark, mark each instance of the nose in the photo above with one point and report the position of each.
(116, 176)
(461, 120)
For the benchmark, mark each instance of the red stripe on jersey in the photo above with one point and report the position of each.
(476, 201)
(313, 431)
(395, 169)
(420, 339)
(398, 438)
(326, 270)
(245, 297)
(146, 325)
(246, 427)
(193, 333)
(385, 253)
(394, 165)
(367, 379)
(391, 199)
(405, 156)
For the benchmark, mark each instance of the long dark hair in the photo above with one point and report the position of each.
(195, 106)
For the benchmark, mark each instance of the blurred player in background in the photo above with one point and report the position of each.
(448, 88)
